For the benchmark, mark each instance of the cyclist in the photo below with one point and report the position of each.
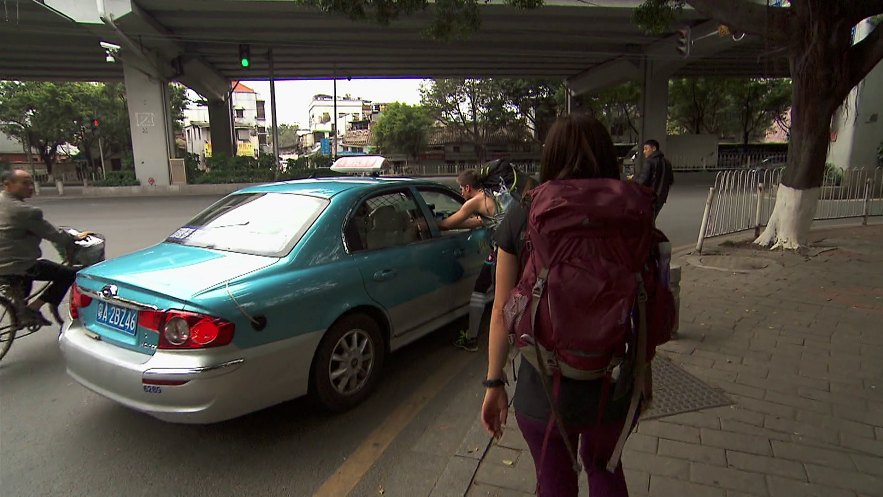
(22, 227)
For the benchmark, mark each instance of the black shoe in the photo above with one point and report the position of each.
(53, 309)
(31, 317)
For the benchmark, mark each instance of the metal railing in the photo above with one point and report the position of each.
(743, 199)
(529, 167)
(727, 161)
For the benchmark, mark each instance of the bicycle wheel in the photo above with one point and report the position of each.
(8, 327)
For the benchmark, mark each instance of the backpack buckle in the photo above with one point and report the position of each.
(540, 284)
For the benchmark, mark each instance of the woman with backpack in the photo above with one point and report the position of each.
(549, 401)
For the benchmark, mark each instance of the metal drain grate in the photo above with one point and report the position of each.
(676, 391)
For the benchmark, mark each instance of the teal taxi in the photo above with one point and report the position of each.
(274, 292)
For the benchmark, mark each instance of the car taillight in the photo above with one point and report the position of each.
(186, 330)
(78, 301)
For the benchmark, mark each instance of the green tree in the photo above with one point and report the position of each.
(402, 128)
(699, 105)
(288, 135)
(757, 104)
(43, 115)
(475, 108)
(178, 101)
(46, 115)
(826, 64)
(538, 102)
(617, 107)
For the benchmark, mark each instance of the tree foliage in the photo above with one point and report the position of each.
(451, 19)
(48, 115)
(475, 108)
(44, 115)
(698, 105)
(402, 128)
(617, 107)
(288, 135)
(744, 108)
(757, 104)
(537, 103)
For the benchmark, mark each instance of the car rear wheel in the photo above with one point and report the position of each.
(347, 363)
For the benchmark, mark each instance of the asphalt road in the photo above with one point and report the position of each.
(59, 439)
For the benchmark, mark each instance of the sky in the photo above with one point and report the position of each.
(293, 97)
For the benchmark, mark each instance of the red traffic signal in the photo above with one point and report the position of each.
(96, 122)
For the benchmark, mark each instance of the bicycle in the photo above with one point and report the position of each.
(15, 291)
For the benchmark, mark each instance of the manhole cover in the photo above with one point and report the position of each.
(731, 262)
(676, 391)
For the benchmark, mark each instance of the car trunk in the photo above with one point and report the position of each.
(162, 277)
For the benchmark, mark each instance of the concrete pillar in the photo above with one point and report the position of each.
(654, 104)
(858, 125)
(221, 123)
(150, 121)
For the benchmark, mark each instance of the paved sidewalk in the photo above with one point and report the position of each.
(796, 342)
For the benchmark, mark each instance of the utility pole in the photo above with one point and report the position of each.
(101, 154)
(334, 124)
(273, 115)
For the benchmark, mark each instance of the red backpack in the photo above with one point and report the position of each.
(592, 294)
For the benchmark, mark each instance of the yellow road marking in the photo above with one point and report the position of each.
(348, 475)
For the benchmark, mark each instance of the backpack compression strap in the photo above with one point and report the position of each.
(640, 371)
(550, 389)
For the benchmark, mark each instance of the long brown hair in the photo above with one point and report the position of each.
(578, 146)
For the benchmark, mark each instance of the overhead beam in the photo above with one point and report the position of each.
(663, 54)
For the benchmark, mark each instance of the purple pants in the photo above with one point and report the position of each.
(556, 477)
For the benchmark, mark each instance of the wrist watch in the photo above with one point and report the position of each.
(496, 383)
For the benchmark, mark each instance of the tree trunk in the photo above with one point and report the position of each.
(816, 63)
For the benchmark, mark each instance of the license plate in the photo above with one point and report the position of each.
(116, 317)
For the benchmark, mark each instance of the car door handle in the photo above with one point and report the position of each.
(457, 252)
(385, 274)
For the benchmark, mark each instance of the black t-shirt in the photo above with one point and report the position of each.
(577, 400)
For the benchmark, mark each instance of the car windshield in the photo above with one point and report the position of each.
(252, 223)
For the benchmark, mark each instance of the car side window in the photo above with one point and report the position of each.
(441, 203)
(385, 220)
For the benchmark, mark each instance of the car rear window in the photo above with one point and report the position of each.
(252, 223)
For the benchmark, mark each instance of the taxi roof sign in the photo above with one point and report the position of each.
(364, 164)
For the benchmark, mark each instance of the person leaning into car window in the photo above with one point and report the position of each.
(22, 227)
(478, 211)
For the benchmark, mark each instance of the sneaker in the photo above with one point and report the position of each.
(31, 317)
(466, 343)
(53, 309)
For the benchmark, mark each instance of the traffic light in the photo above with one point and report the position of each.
(244, 55)
(96, 123)
(684, 41)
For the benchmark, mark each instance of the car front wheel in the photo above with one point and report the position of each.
(348, 363)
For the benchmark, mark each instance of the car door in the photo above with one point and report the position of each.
(388, 237)
(463, 251)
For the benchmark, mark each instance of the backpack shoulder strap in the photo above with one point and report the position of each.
(640, 372)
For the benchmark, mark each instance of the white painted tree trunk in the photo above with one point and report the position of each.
(791, 218)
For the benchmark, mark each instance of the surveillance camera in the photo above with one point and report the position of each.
(109, 46)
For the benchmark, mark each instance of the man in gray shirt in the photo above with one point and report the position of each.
(22, 228)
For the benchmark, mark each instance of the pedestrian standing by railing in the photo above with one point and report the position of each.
(656, 173)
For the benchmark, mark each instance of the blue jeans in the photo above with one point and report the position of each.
(556, 477)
